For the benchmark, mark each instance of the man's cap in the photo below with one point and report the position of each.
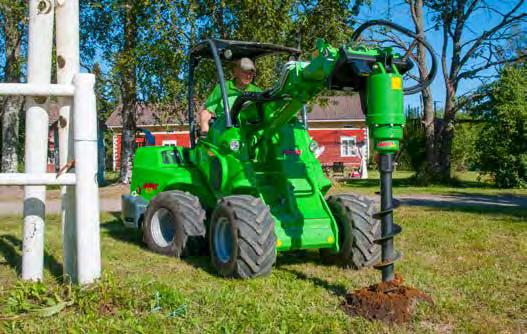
(246, 64)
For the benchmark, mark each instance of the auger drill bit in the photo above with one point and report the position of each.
(388, 228)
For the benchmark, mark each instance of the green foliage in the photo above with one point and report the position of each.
(464, 153)
(413, 154)
(167, 29)
(502, 143)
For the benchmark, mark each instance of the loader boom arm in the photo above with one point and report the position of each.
(344, 68)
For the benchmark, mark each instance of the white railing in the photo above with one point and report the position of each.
(47, 179)
(36, 90)
(80, 193)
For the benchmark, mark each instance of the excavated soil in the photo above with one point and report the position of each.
(389, 302)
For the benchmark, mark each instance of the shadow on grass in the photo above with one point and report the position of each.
(501, 198)
(336, 289)
(513, 208)
(9, 248)
(116, 230)
(411, 181)
(298, 257)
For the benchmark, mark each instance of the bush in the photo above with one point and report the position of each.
(502, 143)
(413, 147)
(464, 151)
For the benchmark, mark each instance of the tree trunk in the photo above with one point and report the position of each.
(129, 92)
(10, 123)
(11, 105)
(445, 136)
(416, 7)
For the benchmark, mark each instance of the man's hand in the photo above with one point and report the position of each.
(204, 118)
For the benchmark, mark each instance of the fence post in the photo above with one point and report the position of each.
(67, 41)
(87, 192)
(36, 141)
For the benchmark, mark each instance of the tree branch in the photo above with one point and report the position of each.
(507, 20)
(469, 73)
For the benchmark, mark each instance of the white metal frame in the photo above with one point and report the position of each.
(78, 144)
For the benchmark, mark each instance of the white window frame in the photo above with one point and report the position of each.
(169, 142)
(347, 150)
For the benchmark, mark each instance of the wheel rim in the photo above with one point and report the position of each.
(162, 227)
(223, 240)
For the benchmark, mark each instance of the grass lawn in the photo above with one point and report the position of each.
(472, 263)
(468, 183)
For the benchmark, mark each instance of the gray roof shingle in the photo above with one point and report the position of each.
(331, 108)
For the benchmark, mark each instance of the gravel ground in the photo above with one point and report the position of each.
(11, 200)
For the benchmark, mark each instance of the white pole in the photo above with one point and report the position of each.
(35, 89)
(365, 155)
(67, 39)
(50, 179)
(87, 192)
(39, 72)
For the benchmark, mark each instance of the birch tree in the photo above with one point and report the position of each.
(12, 23)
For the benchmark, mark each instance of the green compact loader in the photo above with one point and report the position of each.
(253, 186)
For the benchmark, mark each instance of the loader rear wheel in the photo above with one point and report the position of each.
(357, 231)
(241, 238)
(174, 224)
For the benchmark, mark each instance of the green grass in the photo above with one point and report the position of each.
(471, 263)
(467, 183)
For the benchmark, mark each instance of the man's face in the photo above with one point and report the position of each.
(243, 77)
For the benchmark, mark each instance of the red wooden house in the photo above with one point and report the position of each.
(337, 123)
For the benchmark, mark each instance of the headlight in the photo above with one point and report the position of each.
(313, 146)
(234, 145)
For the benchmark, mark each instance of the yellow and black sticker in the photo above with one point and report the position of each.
(397, 83)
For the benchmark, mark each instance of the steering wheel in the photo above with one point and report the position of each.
(421, 83)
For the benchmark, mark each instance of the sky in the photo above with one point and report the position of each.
(397, 12)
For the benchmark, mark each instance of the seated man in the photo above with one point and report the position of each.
(244, 72)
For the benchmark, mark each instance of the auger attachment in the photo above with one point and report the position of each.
(388, 228)
(385, 117)
(390, 300)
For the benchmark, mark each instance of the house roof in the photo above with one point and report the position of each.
(337, 108)
(146, 116)
(328, 109)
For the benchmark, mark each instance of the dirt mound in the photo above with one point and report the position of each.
(389, 302)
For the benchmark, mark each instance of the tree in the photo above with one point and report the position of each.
(502, 145)
(113, 29)
(144, 45)
(416, 10)
(468, 54)
(329, 19)
(13, 21)
(126, 64)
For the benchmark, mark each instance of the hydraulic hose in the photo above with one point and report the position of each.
(433, 70)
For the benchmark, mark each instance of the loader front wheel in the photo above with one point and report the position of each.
(357, 231)
(241, 237)
(174, 224)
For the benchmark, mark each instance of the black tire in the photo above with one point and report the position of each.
(174, 224)
(357, 231)
(242, 238)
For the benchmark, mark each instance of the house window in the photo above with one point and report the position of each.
(169, 142)
(348, 146)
